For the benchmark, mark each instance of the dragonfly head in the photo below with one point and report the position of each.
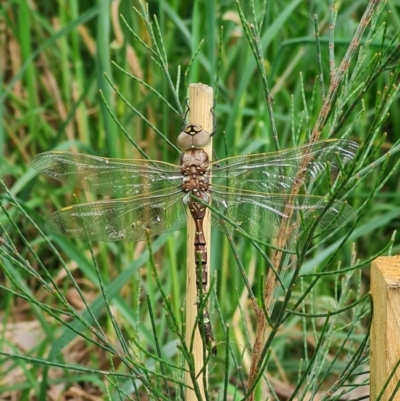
(193, 136)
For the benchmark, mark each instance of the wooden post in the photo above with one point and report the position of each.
(200, 105)
(385, 330)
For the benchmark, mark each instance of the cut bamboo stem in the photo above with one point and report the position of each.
(385, 330)
(200, 106)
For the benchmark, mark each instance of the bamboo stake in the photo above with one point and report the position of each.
(200, 105)
(385, 330)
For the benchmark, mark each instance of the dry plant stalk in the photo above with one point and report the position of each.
(200, 106)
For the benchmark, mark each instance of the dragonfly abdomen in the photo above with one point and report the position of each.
(200, 253)
(195, 181)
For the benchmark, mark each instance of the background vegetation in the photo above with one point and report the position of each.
(53, 58)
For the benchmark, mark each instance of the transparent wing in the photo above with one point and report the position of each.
(115, 177)
(121, 220)
(261, 215)
(277, 171)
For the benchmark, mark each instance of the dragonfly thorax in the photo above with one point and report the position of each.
(194, 169)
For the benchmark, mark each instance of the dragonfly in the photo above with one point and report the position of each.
(251, 191)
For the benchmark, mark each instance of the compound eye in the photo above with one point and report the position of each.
(184, 140)
(193, 136)
(201, 139)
